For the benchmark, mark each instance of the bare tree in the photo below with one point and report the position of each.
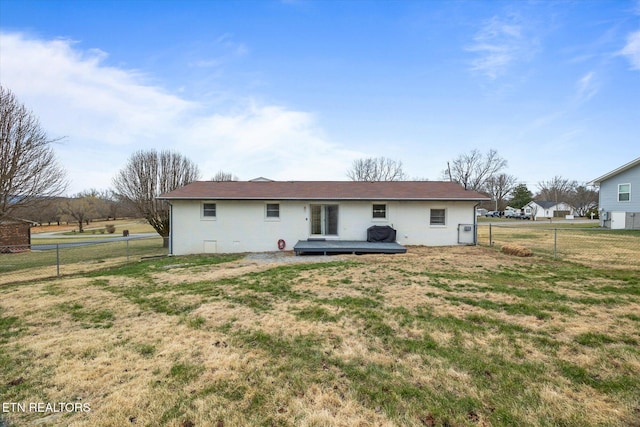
(109, 204)
(29, 170)
(44, 211)
(224, 176)
(376, 169)
(112, 205)
(473, 169)
(557, 189)
(148, 174)
(103, 201)
(583, 200)
(499, 187)
(50, 211)
(82, 208)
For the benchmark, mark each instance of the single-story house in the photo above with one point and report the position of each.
(262, 216)
(540, 209)
(619, 198)
(15, 234)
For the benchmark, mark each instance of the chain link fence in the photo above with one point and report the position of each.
(600, 248)
(39, 261)
(596, 247)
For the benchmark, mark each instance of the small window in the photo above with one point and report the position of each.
(209, 210)
(437, 217)
(273, 210)
(624, 192)
(379, 211)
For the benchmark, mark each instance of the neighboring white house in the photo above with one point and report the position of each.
(619, 198)
(253, 216)
(543, 209)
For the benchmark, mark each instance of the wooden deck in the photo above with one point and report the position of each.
(325, 247)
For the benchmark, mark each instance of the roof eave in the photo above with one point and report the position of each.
(597, 181)
(346, 199)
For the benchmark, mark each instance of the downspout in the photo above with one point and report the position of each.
(475, 224)
(170, 228)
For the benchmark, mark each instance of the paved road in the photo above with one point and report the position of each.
(90, 241)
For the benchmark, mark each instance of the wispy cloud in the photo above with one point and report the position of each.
(236, 48)
(224, 49)
(269, 140)
(500, 43)
(116, 111)
(72, 89)
(632, 50)
(587, 86)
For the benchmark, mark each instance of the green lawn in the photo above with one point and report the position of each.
(96, 228)
(459, 336)
(18, 267)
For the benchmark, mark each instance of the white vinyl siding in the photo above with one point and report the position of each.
(621, 193)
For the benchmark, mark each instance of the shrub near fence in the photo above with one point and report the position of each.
(595, 247)
(23, 263)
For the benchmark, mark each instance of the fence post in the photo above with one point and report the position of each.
(127, 250)
(58, 259)
(476, 228)
(490, 238)
(555, 242)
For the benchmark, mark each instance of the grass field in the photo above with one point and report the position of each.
(572, 242)
(134, 225)
(459, 336)
(25, 266)
(29, 265)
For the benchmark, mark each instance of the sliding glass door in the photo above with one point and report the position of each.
(324, 220)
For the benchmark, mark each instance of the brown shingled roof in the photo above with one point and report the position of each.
(323, 190)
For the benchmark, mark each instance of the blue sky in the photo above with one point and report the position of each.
(299, 89)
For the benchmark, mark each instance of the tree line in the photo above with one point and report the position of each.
(484, 173)
(32, 180)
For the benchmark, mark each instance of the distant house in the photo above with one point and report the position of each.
(540, 209)
(619, 199)
(263, 215)
(15, 234)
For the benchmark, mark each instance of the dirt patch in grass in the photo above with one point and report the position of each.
(251, 263)
(185, 274)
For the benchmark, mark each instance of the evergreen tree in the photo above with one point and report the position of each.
(521, 196)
